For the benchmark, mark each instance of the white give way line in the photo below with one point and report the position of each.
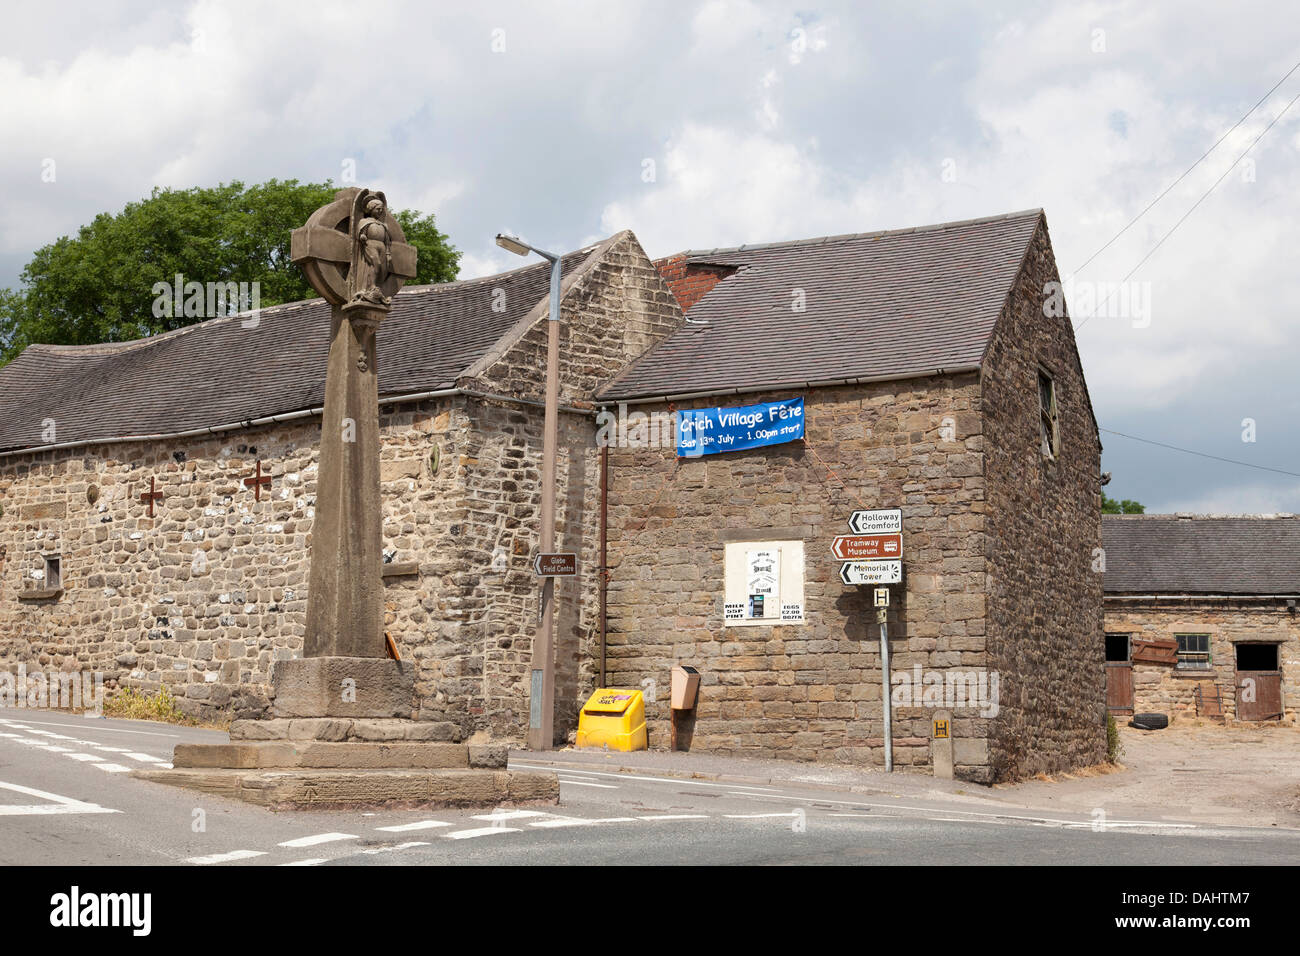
(55, 804)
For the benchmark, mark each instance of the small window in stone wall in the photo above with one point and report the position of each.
(763, 583)
(1117, 648)
(53, 572)
(1193, 652)
(1049, 429)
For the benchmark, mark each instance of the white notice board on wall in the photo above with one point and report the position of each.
(763, 583)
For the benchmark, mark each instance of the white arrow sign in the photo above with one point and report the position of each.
(884, 521)
(871, 572)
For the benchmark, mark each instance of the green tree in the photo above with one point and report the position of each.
(98, 286)
(1109, 506)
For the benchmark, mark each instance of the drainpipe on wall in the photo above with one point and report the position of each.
(603, 570)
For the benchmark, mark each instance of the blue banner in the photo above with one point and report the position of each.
(711, 431)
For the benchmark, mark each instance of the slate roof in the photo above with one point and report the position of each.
(1168, 554)
(218, 372)
(884, 304)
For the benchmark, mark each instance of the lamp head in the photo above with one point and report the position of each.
(511, 244)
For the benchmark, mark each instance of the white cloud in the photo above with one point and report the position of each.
(759, 134)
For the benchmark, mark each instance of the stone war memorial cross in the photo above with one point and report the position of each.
(353, 252)
(342, 729)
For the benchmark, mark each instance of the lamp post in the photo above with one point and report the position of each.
(541, 699)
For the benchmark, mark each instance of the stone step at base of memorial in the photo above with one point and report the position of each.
(343, 789)
(265, 754)
(344, 729)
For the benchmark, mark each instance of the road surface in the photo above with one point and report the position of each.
(67, 799)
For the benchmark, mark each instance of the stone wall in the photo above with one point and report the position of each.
(813, 690)
(1044, 524)
(206, 595)
(1167, 689)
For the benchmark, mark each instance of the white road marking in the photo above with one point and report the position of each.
(85, 758)
(677, 816)
(580, 783)
(978, 815)
(83, 727)
(758, 816)
(315, 861)
(57, 804)
(510, 815)
(580, 822)
(111, 767)
(107, 749)
(675, 781)
(318, 839)
(225, 857)
(421, 825)
(146, 758)
(481, 831)
(397, 846)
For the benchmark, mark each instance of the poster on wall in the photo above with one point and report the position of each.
(711, 431)
(763, 580)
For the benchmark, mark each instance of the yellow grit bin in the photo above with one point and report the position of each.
(613, 718)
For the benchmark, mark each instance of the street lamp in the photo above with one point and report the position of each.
(541, 700)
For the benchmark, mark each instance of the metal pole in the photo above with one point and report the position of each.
(541, 731)
(888, 706)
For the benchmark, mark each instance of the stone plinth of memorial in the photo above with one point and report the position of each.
(343, 729)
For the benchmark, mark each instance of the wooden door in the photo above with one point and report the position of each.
(1259, 682)
(1119, 688)
(1119, 674)
(1259, 695)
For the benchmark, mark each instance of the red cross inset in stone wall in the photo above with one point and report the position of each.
(257, 481)
(151, 496)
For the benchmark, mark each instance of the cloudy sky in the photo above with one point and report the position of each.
(728, 121)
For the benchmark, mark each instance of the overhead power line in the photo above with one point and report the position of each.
(1201, 454)
(1168, 188)
(1184, 216)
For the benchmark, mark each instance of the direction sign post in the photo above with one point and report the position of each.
(864, 547)
(871, 572)
(562, 565)
(872, 554)
(883, 521)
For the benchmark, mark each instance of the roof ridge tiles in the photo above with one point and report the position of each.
(850, 236)
(1203, 516)
(117, 348)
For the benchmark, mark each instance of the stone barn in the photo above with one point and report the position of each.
(158, 495)
(1201, 615)
(936, 377)
(157, 498)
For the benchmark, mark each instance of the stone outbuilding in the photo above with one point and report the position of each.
(936, 378)
(1201, 615)
(157, 498)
